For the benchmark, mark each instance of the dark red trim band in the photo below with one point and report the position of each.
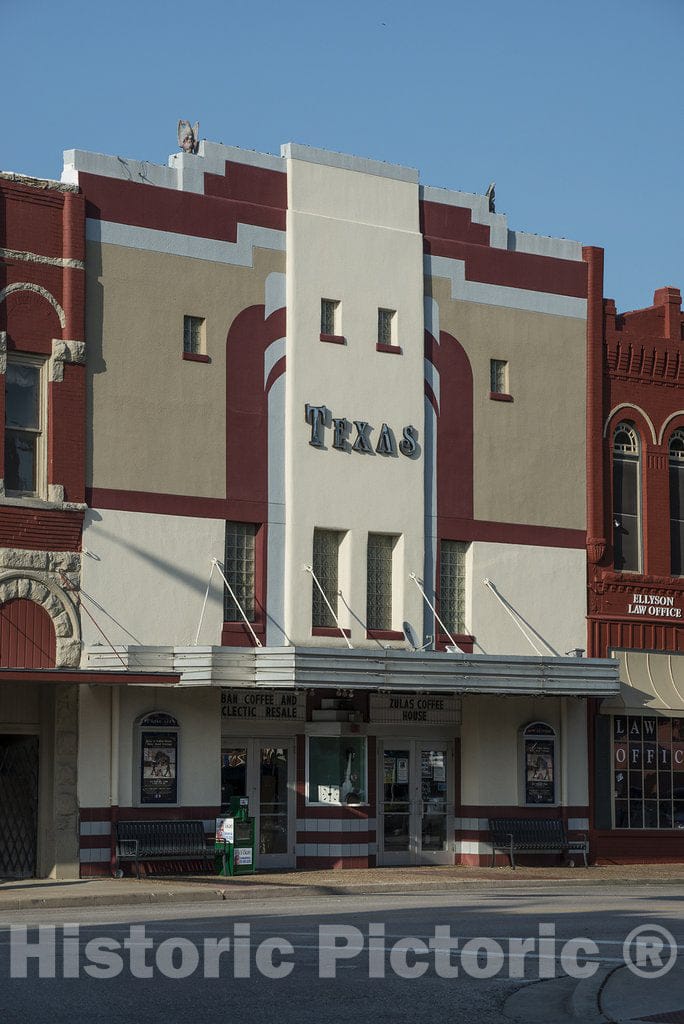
(196, 357)
(394, 350)
(384, 634)
(333, 339)
(500, 396)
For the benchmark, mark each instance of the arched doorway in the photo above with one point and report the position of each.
(27, 640)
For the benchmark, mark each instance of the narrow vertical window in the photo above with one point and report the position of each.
(452, 584)
(380, 553)
(677, 503)
(326, 550)
(24, 457)
(330, 317)
(193, 335)
(240, 571)
(498, 377)
(626, 499)
(387, 327)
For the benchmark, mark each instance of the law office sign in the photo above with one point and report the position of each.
(655, 606)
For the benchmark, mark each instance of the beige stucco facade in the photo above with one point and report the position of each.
(146, 400)
(353, 237)
(529, 454)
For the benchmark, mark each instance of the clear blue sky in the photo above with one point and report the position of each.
(574, 108)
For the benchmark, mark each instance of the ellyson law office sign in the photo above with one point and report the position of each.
(657, 606)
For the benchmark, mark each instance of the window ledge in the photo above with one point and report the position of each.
(334, 339)
(196, 357)
(327, 631)
(394, 350)
(384, 634)
(500, 396)
(463, 640)
(31, 501)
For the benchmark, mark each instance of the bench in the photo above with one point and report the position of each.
(160, 840)
(533, 835)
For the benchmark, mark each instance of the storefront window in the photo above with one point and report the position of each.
(539, 764)
(648, 772)
(337, 772)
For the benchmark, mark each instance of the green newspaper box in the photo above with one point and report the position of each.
(234, 847)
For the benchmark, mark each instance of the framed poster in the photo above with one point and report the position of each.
(158, 767)
(540, 786)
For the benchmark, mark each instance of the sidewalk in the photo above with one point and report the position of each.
(93, 892)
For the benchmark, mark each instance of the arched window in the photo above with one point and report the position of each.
(677, 503)
(626, 499)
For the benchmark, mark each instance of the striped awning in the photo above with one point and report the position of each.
(649, 681)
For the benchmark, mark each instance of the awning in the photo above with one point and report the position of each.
(649, 681)
(87, 677)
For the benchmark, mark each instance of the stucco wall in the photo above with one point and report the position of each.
(546, 587)
(491, 749)
(145, 576)
(199, 717)
(352, 237)
(158, 421)
(529, 454)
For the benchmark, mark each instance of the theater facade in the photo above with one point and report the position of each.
(331, 551)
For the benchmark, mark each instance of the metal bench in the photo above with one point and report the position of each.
(533, 835)
(160, 840)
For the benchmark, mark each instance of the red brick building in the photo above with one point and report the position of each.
(635, 423)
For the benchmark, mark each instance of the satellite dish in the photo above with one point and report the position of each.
(410, 635)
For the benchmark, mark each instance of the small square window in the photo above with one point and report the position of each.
(330, 317)
(498, 377)
(387, 327)
(193, 335)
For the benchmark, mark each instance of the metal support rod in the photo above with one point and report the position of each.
(504, 604)
(309, 568)
(204, 603)
(217, 565)
(412, 576)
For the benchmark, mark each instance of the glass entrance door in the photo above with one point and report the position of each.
(263, 770)
(416, 814)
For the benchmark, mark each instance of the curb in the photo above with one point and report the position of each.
(216, 892)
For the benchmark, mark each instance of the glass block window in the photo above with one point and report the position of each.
(379, 582)
(239, 568)
(330, 316)
(452, 584)
(677, 503)
(326, 551)
(498, 376)
(386, 326)
(648, 772)
(23, 427)
(626, 499)
(193, 334)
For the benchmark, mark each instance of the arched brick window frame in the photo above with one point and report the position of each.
(55, 602)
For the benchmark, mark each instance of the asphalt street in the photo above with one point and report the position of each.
(380, 958)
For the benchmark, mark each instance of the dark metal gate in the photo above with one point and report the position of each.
(18, 805)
